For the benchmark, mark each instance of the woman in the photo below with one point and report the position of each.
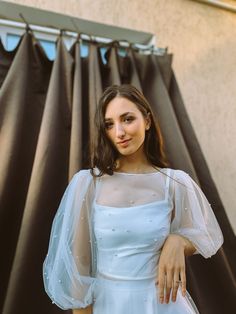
(122, 231)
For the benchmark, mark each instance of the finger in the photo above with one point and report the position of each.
(183, 281)
(169, 282)
(161, 283)
(175, 285)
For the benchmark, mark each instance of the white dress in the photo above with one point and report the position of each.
(129, 218)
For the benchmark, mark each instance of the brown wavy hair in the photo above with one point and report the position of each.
(104, 154)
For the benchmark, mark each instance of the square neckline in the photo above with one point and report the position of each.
(135, 206)
(165, 200)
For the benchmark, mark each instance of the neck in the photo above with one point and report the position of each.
(134, 163)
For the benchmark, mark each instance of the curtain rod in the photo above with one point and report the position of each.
(218, 4)
(151, 48)
(41, 17)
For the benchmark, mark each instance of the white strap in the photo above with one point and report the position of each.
(167, 183)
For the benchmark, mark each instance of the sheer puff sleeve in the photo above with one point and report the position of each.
(68, 270)
(194, 217)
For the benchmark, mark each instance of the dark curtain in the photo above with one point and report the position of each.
(46, 124)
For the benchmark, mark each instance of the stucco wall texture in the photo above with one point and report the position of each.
(202, 39)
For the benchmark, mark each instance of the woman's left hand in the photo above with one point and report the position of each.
(171, 268)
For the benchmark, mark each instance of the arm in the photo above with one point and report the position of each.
(87, 310)
(193, 230)
(66, 269)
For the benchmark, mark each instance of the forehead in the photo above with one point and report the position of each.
(119, 105)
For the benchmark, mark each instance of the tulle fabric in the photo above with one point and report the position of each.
(70, 268)
(194, 217)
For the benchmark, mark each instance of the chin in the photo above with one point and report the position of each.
(127, 152)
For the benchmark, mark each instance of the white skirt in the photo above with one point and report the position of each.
(137, 297)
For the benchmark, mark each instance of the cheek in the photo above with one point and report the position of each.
(137, 130)
(110, 136)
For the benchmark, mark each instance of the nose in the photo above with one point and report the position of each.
(120, 132)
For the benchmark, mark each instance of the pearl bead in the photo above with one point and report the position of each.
(185, 208)
(131, 202)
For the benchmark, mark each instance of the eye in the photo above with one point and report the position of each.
(129, 119)
(108, 125)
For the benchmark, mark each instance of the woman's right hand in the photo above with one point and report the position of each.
(87, 310)
(171, 268)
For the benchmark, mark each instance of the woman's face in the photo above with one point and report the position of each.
(125, 125)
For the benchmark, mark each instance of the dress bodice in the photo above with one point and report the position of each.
(129, 239)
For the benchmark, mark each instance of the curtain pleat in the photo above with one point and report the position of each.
(76, 144)
(113, 75)
(133, 70)
(165, 62)
(94, 90)
(46, 132)
(22, 98)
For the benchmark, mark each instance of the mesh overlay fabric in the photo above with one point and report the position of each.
(107, 237)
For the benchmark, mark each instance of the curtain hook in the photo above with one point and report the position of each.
(27, 27)
(62, 32)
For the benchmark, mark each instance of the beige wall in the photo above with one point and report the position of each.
(203, 41)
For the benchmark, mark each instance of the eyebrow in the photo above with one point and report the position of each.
(121, 116)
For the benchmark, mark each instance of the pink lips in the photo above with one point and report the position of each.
(124, 143)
